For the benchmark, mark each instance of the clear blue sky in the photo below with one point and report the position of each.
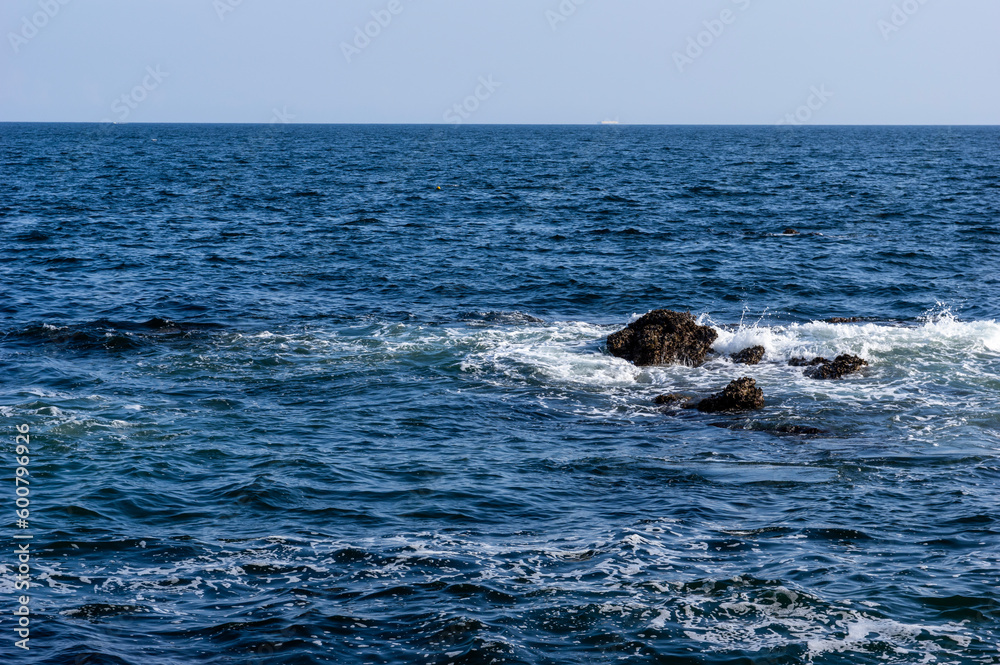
(530, 61)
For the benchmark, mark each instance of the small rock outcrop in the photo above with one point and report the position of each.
(663, 337)
(740, 395)
(670, 398)
(843, 319)
(750, 356)
(804, 362)
(840, 366)
(791, 232)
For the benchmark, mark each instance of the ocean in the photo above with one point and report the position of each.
(340, 394)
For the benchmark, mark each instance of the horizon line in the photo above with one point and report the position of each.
(489, 124)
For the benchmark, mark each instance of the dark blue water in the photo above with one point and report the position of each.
(339, 394)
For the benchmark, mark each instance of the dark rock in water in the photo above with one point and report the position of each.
(663, 337)
(801, 430)
(740, 395)
(802, 362)
(502, 317)
(797, 429)
(671, 398)
(791, 232)
(841, 365)
(751, 356)
(843, 319)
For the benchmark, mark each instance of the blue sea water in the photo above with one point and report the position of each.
(339, 394)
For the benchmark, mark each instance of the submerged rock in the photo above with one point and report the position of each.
(663, 337)
(740, 395)
(841, 366)
(750, 356)
(672, 398)
(843, 319)
(502, 317)
(798, 429)
(752, 426)
(791, 232)
(803, 362)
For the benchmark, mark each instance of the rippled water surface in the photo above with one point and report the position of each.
(334, 394)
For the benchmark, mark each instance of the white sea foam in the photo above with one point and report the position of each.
(562, 353)
(941, 334)
(748, 623)
(992, 342)
(571, 352)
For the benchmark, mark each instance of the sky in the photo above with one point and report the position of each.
(826, 62)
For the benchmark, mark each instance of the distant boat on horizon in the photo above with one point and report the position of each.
(609, 122)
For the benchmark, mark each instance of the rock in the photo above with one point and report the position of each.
(740, 395)
(502, 317)
(671, 398)
(841, 365)
(798, 429)
(663, 337)
(802, 362)
(791, 232)
(752, 426)
(843, 319)
(751, 356)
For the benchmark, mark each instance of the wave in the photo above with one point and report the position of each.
(940, 332)
(664, 582)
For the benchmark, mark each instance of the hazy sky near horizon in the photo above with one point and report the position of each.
(502, 61)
